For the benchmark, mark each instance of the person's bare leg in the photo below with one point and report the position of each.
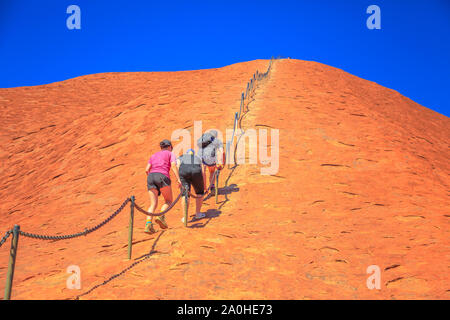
(198, 204)
(153, 194)
(167, 194)
(211, 175)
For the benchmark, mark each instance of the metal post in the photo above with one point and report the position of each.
(228, 154)
(242, 104)
(12, 262)
(186, 203)
(216, 185)
(130, 228)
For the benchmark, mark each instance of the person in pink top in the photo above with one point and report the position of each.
(158, 182)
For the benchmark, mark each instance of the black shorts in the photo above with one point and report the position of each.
(157, 181)
(191, 177)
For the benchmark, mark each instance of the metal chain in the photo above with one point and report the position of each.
(7, 234)
(79, 234)
(247, 96)
(160, 213)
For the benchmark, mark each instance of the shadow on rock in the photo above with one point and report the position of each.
(137, 261)
(228, 189)
(210, 214)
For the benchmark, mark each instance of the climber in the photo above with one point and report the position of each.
(210, 149)
(192, 173)
(158, 182)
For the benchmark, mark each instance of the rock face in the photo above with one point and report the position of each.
(363, 180)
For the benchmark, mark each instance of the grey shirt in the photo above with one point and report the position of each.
(209, 153)
(190, 159)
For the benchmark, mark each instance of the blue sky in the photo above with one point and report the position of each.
(409, 54)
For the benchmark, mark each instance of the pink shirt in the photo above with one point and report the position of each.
(161, 161)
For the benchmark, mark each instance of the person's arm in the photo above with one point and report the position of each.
(175, 171)
(220, 162)
(173, 165)
(147, 170)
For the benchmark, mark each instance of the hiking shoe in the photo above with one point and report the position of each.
(162, 222)
(182, 220)
(200, 215)
(149, 228)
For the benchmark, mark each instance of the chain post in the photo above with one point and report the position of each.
(228, 154)
(186, 204)
(130, 228)
(216, 186)
(241, 107)
(12, 262)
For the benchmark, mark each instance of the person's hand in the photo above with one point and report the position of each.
(219, 166)
(179, 183)
(146, 172)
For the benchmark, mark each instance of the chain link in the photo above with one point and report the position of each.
(79, 234)
(160, 213)
(7, 234)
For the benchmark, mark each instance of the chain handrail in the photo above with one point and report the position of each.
(251, 86)
(159, 213)
(79, 234)
(5, 237)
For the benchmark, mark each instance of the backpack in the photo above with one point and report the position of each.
(190, 160)
(205, 140)
(208, 154)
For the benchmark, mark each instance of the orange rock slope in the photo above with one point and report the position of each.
(362, 180)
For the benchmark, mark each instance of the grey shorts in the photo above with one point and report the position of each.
(157, 181)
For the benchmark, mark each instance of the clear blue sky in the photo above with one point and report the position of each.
(409, 54)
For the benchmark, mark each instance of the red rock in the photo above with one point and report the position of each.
(363, 180)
